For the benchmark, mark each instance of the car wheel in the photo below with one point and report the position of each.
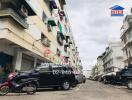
(84, 81)
(31, 89)
(104, 80)
(129, 84)
(66, 85)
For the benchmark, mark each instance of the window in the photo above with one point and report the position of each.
(60, 38)
(127, 73)
(65, 48)
(23, 11)
(66, 59)
(44, 69)
(45, 40)
(44, 17)
(58, 52)
(67, 39)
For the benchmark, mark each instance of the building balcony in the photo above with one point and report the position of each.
(70, 42)
(51, 22)
(62, 2)
(67, 38)
(61, 14)
(67, 56)
(58, 52)
(60, 38)
(21, 7)
(45, 42)
(53, 4)
(18, 10)
(128, 43)
(127, 25)
(129, 19)
(10, 13)
(66, 44)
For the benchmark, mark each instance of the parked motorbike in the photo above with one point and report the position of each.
(15, 83)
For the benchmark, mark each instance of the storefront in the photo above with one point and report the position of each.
(27, 63)
(5, 65)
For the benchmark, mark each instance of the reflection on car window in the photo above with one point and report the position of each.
(128, 73)
(43, 68)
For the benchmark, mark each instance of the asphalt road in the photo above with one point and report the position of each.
(89, 91)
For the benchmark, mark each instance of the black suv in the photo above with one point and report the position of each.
(123, 76)
(53, 76)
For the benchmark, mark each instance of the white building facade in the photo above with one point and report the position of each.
(100, 65)
(113, 58)
(126, 37)
(35, 31)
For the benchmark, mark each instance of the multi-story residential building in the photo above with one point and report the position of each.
(87, 73)
(78, 62)
(113, 58)
(126, 37)
(100, 65)
(35, 31)
(94, 72)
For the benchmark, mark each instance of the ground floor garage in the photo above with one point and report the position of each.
(14, 57)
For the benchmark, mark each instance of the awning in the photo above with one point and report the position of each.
(51, 22)
(31, 12)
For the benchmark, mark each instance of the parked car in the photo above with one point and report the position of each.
(108, 79)
(125, 76)
(122, 77)
(84, 79)
(53, 76)
(79, 78)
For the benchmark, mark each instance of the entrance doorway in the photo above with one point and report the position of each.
(5, 65)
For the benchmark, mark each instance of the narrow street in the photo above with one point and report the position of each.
(90, 91)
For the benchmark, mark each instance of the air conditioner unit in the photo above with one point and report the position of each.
(45, 42)
(49, 27)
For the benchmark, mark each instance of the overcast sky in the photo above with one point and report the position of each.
(93, 27)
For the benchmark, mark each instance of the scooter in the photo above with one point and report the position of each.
(15, 83)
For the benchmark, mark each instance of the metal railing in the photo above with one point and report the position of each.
(8, 12)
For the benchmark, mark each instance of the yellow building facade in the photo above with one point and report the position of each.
(35, 31)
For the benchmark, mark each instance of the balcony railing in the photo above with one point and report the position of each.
(10, 13)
